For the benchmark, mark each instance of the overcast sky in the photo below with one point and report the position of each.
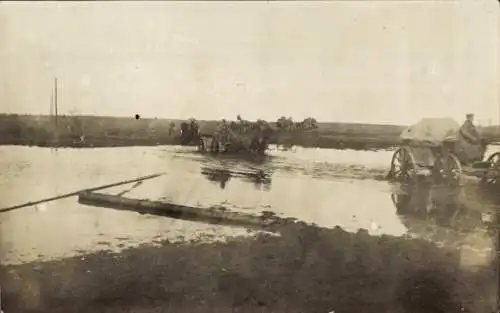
(379, 62)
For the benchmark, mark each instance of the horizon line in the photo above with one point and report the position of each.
(207, 120)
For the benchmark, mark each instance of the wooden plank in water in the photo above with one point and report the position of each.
(75, 193)
(208, 215)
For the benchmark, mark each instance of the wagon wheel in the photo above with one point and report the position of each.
(402, 165)
(449, 168)
(491, 176)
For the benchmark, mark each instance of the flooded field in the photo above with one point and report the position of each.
(369, 233)
(326, 187)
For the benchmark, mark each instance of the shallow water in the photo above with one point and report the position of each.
(327, 187)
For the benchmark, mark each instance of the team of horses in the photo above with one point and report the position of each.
(287, 124)
(240, 134)
(228, 137)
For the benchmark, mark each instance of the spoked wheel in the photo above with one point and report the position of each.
(449, 169)
(403, 165)
(490, 177)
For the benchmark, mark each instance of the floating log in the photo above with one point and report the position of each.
(208, 215)
(254, 173)
(75, 193)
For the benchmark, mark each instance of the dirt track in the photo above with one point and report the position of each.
(306, 269)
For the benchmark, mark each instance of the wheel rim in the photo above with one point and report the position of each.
(491, 175)
(402, 165)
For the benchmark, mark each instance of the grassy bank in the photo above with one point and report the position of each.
(119, 131)
(306, 269)
(99, 131)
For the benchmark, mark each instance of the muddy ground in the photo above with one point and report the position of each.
(305, 269)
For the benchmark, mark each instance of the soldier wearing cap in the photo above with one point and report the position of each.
(223, 133)
(468, 130)
(470, 144)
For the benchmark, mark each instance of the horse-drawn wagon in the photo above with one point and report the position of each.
(434, 148)
(236, 137)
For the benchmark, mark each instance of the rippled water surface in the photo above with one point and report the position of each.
(327, 187)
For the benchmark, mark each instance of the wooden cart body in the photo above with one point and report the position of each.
(432, 148)
(230, 141)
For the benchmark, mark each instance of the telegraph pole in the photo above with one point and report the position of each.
(51, 104)
(55, 105)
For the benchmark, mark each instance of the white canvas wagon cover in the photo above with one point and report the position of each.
(432, 131)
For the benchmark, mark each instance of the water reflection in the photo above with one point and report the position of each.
(442, 205)
(329, 188)
(449, 217)
(317, 163)
(220, 176)
(260, 178)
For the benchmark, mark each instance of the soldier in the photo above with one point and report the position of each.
(171, 128)
(223, 133)
(470, 145)
(194, 129)
(468, 130)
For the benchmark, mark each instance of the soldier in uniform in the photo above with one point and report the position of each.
(470, 146)
(222, 134)
(194, 127)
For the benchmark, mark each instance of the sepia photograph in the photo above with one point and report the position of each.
(244, 157)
